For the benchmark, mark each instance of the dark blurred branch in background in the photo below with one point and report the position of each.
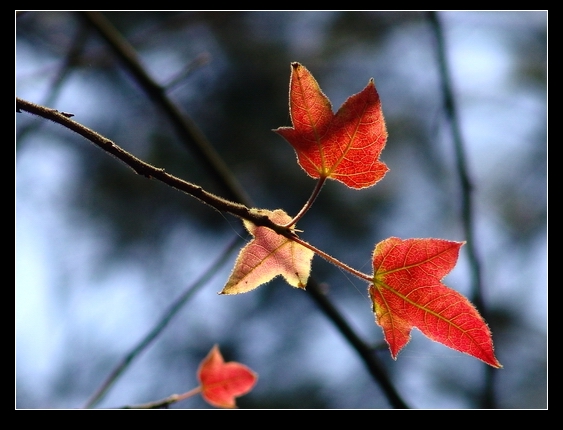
(191, 135)
(450, 110)
(65, 70)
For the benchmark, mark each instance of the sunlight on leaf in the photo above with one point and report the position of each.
(344, 146)
(407, 292)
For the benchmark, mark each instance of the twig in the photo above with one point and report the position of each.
(333, 260)
(150, 171)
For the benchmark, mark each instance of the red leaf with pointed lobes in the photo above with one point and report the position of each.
(407, 292)
(221, 382)
(267, 256)
(344, 146)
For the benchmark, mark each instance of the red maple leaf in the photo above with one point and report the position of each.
(269, 255)
(407, 292)
(221, 382)
(344, 146)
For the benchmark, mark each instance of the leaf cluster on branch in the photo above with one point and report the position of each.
(405, 288)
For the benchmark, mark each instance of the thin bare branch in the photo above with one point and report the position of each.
(239, 210)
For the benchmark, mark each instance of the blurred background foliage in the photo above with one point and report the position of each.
(102, 252)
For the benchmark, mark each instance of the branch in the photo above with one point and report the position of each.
(237, 209)
(149, 171)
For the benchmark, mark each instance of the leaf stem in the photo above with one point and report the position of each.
(333, 260)
(309, 202)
